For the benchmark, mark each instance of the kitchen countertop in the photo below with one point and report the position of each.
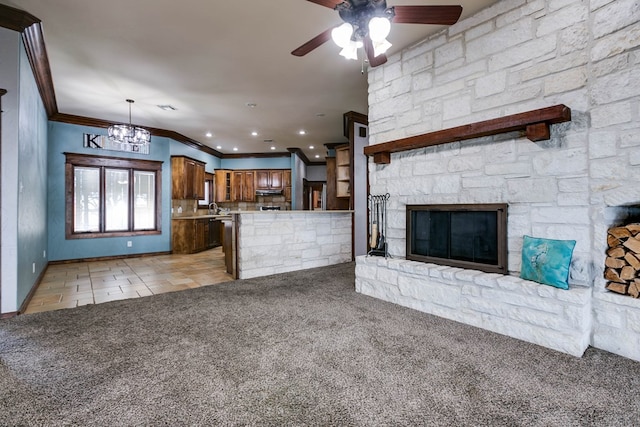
(293, 211)
(221, 216)
(281, 212)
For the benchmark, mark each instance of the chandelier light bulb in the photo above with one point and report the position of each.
(350, 51)
(379, 28)
(342, 35)
(380, 47)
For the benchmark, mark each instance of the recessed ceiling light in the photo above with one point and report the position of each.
(208, 134)
(252, 104)
(311, 147)
(273, 148)
(167, 107)
(317, 156)
(218, 147)
(302, 132)
(235, 148)
(254, 133)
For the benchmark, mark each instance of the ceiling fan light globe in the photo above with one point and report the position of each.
(342, 35)
(350, 52)
(379, 28)
(380, 47)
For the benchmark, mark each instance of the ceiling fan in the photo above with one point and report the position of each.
(367, 23)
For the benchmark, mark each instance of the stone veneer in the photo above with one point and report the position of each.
(271, 242)
(521, 309)
(516, 56)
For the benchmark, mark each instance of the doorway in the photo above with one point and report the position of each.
(314, 193)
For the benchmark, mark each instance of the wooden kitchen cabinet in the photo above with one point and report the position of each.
(187, 178)
(343, 171)
(243, 187)
(286, 185)
(189, 236)
(262, 180)
(223, 185)
(214, 233)
(269, 179)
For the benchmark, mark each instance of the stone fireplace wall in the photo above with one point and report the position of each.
(512, 57)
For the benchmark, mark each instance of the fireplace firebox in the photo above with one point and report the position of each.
(470, 236)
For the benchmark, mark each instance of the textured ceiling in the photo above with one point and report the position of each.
(209, 60)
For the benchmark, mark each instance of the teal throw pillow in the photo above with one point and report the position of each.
(547, 261)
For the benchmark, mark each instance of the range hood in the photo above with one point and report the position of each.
(268, 192)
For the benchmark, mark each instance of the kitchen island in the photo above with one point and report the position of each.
(270, 242)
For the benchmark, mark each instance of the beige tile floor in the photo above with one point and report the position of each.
(94, 282)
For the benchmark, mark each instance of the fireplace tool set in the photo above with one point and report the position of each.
(378, 225)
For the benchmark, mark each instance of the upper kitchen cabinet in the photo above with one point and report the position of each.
(187, 178)
(223, 185)
(243, 187)
(347, 168)
(343, 171)
(269, 179)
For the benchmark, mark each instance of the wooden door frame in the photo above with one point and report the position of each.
(2, 92)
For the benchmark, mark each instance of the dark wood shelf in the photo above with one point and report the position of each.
(535, 124)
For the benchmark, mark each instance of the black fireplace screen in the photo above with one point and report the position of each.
(467, 236)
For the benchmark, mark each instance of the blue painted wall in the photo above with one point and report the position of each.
(65, 137)
(257, 163)
(179, 149)
(32, 182)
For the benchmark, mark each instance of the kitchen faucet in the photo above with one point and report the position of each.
(213, 210)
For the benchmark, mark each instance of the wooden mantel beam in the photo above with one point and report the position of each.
(535, 124)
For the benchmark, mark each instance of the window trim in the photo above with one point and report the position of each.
(102, 162)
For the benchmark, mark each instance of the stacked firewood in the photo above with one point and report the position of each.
(623, 260)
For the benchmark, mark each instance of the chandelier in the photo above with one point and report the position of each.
(129, 134)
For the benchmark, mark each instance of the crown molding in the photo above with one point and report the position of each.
(30, 29)
(16, 19)
(89, 121)
(33, 40)
(254, 155)
(333, 145)
(298, 152)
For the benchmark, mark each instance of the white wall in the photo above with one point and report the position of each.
(517, 56)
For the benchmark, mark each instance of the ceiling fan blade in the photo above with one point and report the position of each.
(439, 15)
(315, 42)
(331, 4)
(374, 61)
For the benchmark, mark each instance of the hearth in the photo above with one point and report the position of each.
(472, 236)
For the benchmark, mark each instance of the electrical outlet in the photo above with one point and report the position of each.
(33, 267)
(129, 243)
(44, 254)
